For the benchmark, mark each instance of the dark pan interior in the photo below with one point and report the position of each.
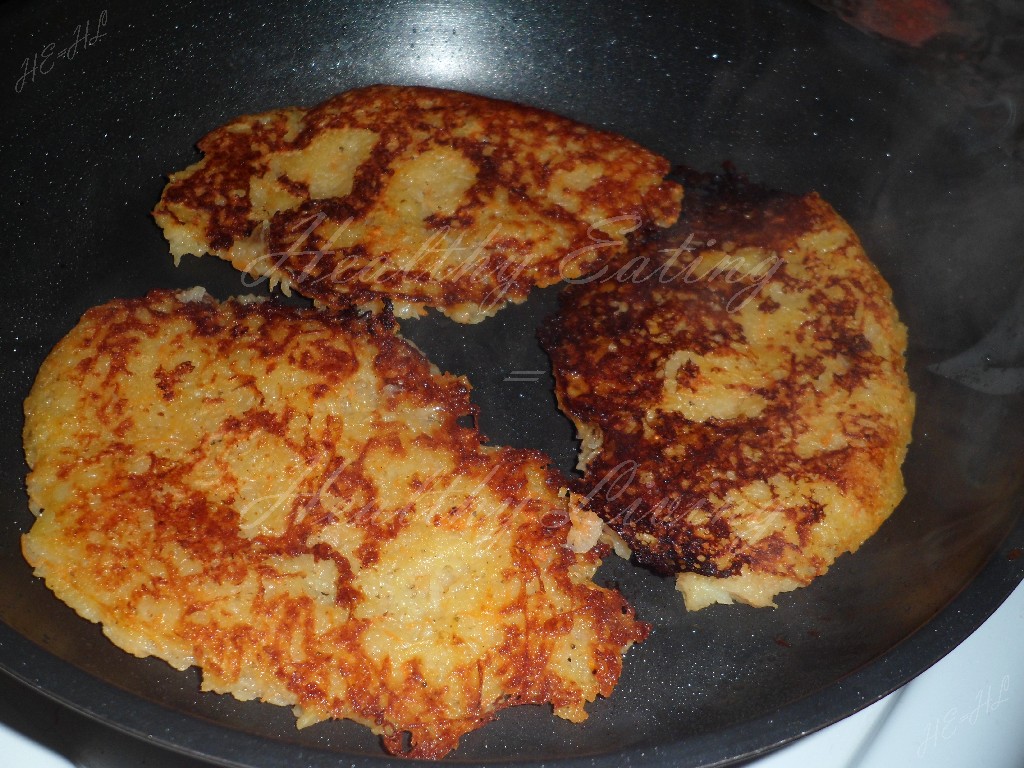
(792, 96)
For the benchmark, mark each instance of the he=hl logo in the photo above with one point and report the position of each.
(524, 375)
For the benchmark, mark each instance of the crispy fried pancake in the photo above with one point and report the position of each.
(285, 499)
(430, 198)
(740, 392)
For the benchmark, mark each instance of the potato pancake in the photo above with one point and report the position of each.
(426, 197)
(740, 392)
(286, 499)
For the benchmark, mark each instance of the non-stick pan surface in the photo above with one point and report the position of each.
(102, 99)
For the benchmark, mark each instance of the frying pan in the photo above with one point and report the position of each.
(790, 94)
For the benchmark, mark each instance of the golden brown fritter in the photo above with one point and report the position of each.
(430, 198)
(740, 392)
(285, 499)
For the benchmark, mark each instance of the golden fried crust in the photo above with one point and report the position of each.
(431, 198)
(741, 392)
(286, 499)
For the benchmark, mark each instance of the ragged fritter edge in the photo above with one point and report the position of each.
(740, 393)
(286, 499)
(420, 196)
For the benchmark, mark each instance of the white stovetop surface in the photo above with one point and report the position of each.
(967, 710)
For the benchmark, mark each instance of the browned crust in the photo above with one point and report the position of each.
(658, 472)
(323, 344)
(504, 150)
